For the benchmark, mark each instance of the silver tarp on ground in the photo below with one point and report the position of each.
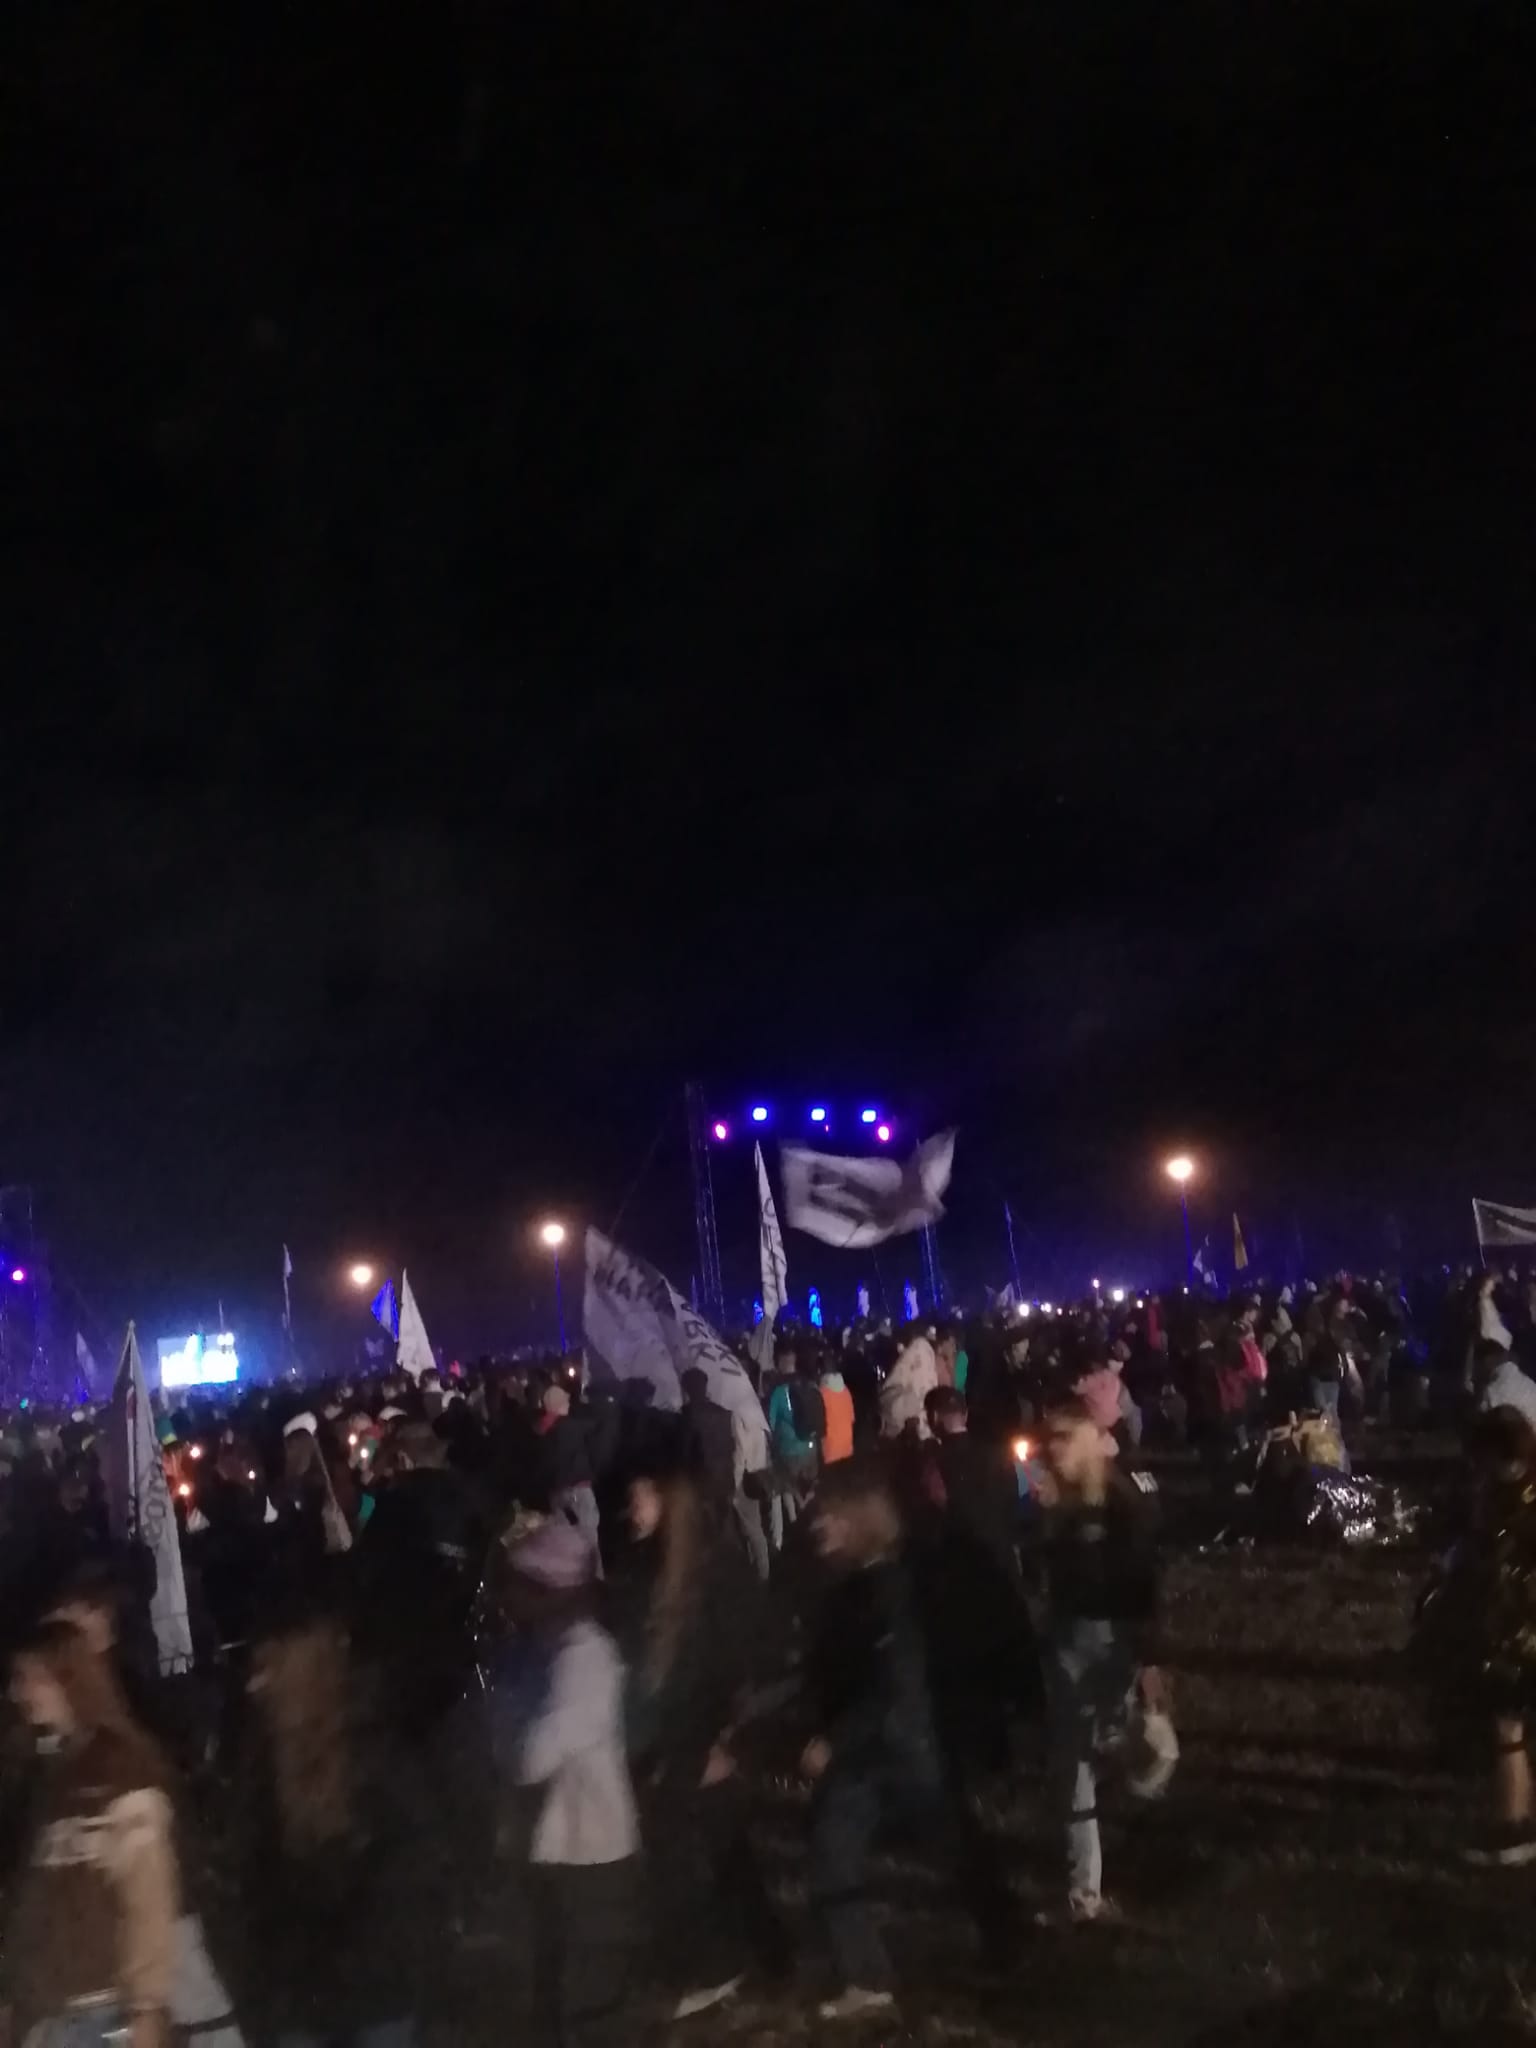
(1338, 1509)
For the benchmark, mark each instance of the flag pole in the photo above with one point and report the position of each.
(1013, 1252)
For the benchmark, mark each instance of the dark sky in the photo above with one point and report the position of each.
(981, 553)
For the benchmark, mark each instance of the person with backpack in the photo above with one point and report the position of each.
(797, 1423)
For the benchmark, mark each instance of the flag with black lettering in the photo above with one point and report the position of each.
(1498, 1223)
(139, 1504)
(636, 1326)
(854, 1203)
(774, 1266)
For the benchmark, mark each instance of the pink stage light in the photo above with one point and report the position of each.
(18, 1276)
(884, 1134)
(722, 1132)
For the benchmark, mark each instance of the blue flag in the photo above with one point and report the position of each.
(386, 1310)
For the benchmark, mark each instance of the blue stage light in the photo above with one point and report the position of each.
(818, 1116)
(759, 1115)
(869, 1116)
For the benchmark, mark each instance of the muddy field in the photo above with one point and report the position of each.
(1299, 1884)
(1301, 1881)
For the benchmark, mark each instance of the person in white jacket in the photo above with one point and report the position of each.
(922, 1365)
(560, 1734)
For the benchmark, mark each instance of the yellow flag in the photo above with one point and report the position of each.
(1239, 1249)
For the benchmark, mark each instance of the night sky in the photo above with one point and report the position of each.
(980, 556)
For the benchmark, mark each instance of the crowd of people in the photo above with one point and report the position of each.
(495, 1657)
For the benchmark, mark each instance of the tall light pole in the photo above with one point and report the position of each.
(552, 1235)
(1181, 1171)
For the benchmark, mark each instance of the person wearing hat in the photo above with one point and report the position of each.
(309, 1489)
(557, 1719)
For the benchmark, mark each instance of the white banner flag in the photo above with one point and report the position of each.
(775, 1267)
(139, 1504)
(858, 1202)
(414, 1354)
(1497, 1223)
(638, 1327)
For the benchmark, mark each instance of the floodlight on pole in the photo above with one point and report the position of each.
(361, 1274)
(1180, 1170)
(552, 1236)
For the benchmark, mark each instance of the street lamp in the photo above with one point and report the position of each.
(1180, 1170)
(552, 1236)
(361, 1275)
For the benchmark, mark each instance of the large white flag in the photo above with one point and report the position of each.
(414, 1354)
(857, 1202)
(85, 1364)
(775, 1267)
(638, 1327)
(140, 1507)
(1497, 1223)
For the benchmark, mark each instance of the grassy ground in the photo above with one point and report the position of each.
(1299, 1883)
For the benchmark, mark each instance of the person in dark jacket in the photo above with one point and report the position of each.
(337, 1852)
(1102, 1583)
(982, 1656)
(690, 1626)
(710, 1440)
(572, 1449)
(875, 1756)
(417, 1564)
